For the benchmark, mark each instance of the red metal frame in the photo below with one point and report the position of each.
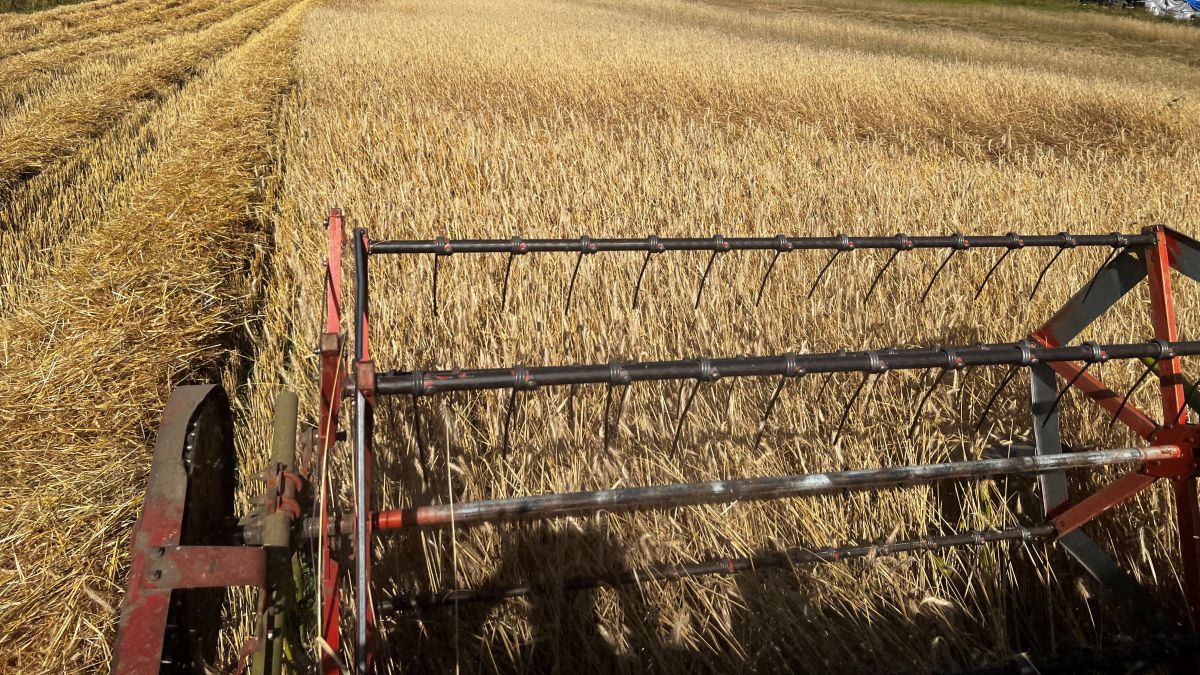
(1095, 388)
(167, 559)
(332, 372)
(1183, 478)
(1175, 429)
(160, 565)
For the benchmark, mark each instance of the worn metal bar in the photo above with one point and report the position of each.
(836, 242)
(1162, 306)
(206, 567)
(1012, 353)
(276, 624)
(544, 507)
(1056, 501)
(1046, 436)
(362, 458)
(720, 566)
(1090, 508)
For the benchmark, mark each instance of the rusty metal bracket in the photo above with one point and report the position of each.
(171, 616)
(171, 567)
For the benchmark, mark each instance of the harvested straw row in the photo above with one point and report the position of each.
(26, 74)
(66, 22)
(45, 215)
(492, 119)
(65, 201)
(67, 116)
(147, 299)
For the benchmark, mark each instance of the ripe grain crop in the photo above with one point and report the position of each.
(161, 208)
(489, 119)
(146, 233)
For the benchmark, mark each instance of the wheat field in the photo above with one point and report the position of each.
(161, 224)
(132, 226)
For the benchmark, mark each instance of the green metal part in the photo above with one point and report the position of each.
(1192, 390)
(277, 601)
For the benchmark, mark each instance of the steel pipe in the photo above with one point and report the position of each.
(783, 243)
(545, 507)
(420, 383)
(362, 440)
(719, 566)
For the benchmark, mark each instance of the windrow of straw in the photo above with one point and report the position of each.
(489, 119)
(150, 297)
(25, 75)
(67, 22)
(39, 135)
(70, 196)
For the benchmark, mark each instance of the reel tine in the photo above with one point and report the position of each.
(813, 288)
(987, 277)
(762, 425)
(507, 275)
(637, 287)
(1015, 242)
(616, 376)
(934, 278)
(782, 245)
(1045, 269)
(442, 248)
(1112, 256)
(519, 247)
(879, 275)
(607, 407)
(849, 404)
(620, 408)
(434, 295)
(508, 415)
(687, 407)
(1012, 372)
(824, 386)
(719, 242)
(585, 247)
(1125, 400)
(1068, 242)
(571, 405)
(916, 419)
(903, 244)
(763, 285)
(571, 286)
(1063, 392)
(422, 451)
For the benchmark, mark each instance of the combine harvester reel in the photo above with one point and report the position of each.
(190, 545)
